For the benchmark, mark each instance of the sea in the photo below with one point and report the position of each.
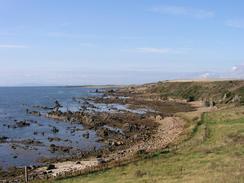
(30, 144)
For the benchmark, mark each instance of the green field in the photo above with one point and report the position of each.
(214, 153)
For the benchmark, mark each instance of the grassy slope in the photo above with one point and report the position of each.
(199, 90)
(215, 153)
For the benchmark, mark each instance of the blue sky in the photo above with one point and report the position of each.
(59, 42)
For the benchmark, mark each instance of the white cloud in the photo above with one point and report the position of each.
(205, 75)
(153, 50)
(234, 68)
(181, 10)
(238, 68)
(13, 46)
(235, 23)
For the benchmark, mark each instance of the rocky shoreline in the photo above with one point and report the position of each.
(126, 121)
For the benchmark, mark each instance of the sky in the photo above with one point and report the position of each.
(78, 42)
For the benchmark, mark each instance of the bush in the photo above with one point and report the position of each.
(190, 98)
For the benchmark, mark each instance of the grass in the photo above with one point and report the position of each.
(215, 153)
(198, 90)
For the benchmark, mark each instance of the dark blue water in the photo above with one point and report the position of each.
(13, 104)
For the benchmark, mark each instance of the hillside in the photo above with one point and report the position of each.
(217, 91)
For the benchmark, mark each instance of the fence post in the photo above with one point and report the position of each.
(26, 174)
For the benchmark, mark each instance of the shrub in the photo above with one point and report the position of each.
(190, 98)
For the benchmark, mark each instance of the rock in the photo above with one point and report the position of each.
(50, 139)
(206, 103)
(3, 139)
(135, 137)
(87, 119)
(86, 135)
(111, 91)
(100, 140)
(211, 103)
(55, 130)
(103, 132)
(101, 160)
(236, 99)
(42, 107)
(56, 106)
(53, 148)
(119, 143)
(98, 156)
(141, 152)
(21, 124)
(51, 167)
(32, 142)
(127, 127)
(35, 113)
(158, 118)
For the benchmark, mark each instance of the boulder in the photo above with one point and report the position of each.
(86, 135)
(51, 167)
